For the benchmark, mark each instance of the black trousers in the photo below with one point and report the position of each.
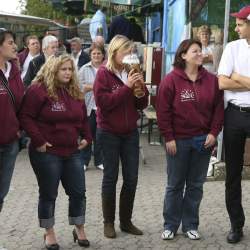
(236, 130)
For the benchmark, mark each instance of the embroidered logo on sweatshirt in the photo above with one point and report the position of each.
(115, 87)
(3, 91)
(187, 95)
(58, 107)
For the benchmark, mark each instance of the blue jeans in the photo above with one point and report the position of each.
(186, 172)
(8, 154)
(125, 148)
(49, 170)
(86, 152)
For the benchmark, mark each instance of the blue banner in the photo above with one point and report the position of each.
(174, 21)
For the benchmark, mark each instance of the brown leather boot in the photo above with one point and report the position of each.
(130, 228)
(109, 230)
(108, 208)
(126, 209)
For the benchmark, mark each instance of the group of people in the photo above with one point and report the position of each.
(58, 121)
(61, 125)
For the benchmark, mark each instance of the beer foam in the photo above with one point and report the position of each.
(131, 59)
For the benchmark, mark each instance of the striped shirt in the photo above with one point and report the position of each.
(87, 74)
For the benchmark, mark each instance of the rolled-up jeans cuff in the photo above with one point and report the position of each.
(47, 223)
(80, 220)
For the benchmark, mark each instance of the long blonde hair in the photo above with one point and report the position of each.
(47, 75)
(118, 43)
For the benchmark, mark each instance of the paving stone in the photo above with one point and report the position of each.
(19, 225)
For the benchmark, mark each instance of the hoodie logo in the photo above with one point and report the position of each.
(3, 91)
(115, 87)
(187, 95)
(58, 107)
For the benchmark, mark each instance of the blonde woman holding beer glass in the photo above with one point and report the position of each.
(117, 132)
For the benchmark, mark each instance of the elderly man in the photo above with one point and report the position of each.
(79, 56)
(32, 51)
(234, 78)
(49, 48)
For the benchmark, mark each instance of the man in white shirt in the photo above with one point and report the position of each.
(234, 78)
(98, 24)
(33, 50)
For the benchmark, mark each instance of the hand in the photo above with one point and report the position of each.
(83, 143)
(18, 134)
(234, 76)
(43, 148)
(210, 141)
(207, 58)
(171, 147)
(87, 88)
(133, 78)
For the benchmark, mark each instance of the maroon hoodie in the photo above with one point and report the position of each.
(22, 56)
(58, 122)
(116, 105)
(9, 124)
(186, 109)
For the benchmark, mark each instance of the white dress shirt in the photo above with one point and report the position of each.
(236, 58)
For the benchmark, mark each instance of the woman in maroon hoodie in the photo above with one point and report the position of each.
(11, 93)
(117, 133)
(54, 116)
(190, 116)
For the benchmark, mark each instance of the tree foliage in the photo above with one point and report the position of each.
(42, 8)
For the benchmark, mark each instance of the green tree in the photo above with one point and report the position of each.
(42, 8)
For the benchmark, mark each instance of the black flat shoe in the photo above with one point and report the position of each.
(54, 246)
(82, 243)
(234, 235)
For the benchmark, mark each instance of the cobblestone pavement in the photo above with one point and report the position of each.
(19, 227)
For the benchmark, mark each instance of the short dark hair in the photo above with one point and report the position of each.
(4, 33)
(179, 62)
(28, 38)
(96, 46)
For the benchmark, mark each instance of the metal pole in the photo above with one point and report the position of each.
(225, 39)
(189, 18)
(226, 22)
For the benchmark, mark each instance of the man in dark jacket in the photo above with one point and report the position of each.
(136, 33)
(120, 25)
(79, 56)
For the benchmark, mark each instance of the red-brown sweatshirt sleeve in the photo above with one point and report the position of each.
(164, 108)
(32, 103)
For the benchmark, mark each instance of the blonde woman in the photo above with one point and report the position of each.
(117, 133)
(204, 33)
(54, 116)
